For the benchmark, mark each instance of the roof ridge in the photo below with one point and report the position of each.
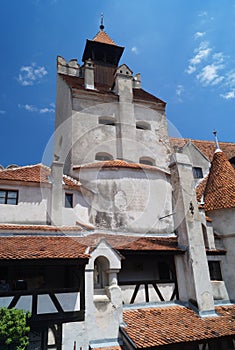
(26, 166)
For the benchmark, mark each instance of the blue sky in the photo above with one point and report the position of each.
(184, 50)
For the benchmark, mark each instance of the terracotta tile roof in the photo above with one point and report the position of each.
(117, 163)
(38, 228)
(38, 173)
(220, 187)
(37, 247)
(103, 37)
(206, 147)
(133, 243)
(115, 347)
(76, 83)
(152, 327)
(140, 94)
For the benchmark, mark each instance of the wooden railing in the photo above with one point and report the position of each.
(154, 284)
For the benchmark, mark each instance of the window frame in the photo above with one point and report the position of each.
(215, 270)
(71, 203)
(197, 172)
(7, 198)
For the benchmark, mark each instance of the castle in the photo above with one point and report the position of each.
(127, 240)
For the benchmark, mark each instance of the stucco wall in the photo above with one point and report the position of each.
(31, 207)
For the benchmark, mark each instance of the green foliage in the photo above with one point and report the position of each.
(14, 329)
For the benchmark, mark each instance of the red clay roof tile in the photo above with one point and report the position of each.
(103, 37)
(152, 327)
(40, 228)
(117, 163)
(38, 173)
(37, 247)
(219, 191)
(206, 147)
(134, 243)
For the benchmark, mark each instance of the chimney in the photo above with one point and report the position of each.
(56, 193)
(89, 75)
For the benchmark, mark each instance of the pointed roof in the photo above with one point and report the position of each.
(220, 186)
(103, 37)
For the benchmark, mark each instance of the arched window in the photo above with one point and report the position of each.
(107, 121)
(143, 125)
(101, 267)
(101, 156)
(147, 161)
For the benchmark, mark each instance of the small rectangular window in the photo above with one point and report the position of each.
(197, 173)
(215, 271)
(68, 200)
(8, 197)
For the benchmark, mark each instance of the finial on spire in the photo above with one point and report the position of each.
(216, 142)
(102, 22)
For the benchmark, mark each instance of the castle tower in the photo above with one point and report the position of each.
(112, 136)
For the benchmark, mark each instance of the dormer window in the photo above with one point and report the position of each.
(197, 173)
(102, 156)
(147, 161)
(107, 121)
(142, 126)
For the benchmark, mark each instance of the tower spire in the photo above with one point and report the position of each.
(217, 148)
(102, 22)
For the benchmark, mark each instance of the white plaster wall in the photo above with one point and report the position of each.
(79, 212)
(130, 199)
(63, 124)
(223, 220)
(31, 208)
(90, 137)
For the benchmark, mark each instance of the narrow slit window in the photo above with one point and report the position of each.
(68, 200)
(107, 121)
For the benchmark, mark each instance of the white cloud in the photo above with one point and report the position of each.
(29, 75)
(202, 53)
(46, 110)
(135, 50)
(202, 14)
(228, 95)
(179, 91)
(199, 35)
(209, 74)
(2, 111)
(32, 108)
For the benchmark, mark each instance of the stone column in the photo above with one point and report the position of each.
(196, 276)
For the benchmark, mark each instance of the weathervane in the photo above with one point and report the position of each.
(102, 21)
